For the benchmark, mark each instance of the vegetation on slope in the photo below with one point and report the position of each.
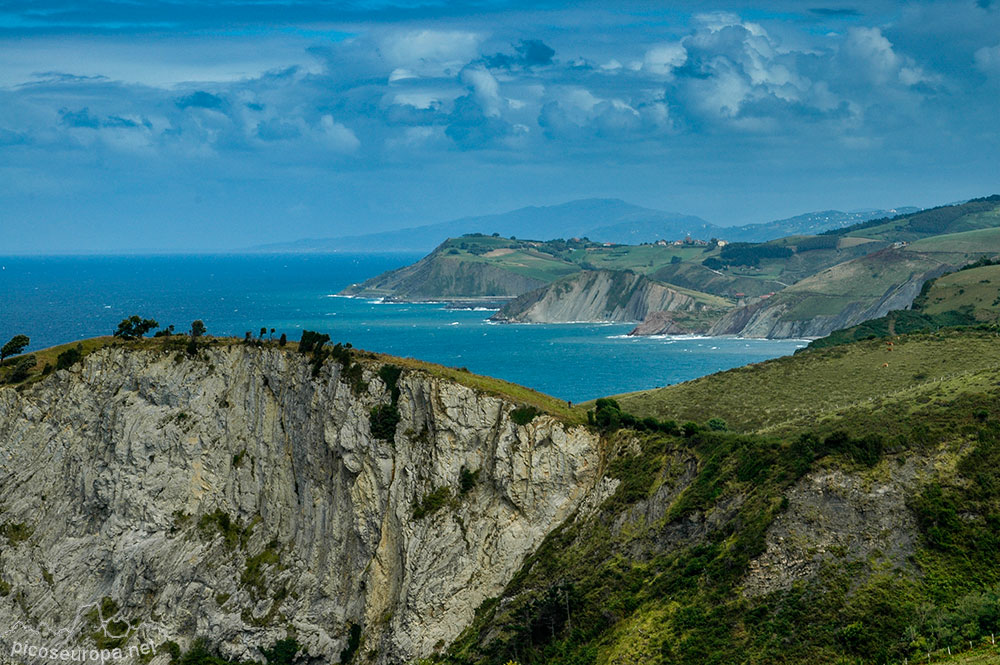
(659, 574)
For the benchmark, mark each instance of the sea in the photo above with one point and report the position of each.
(58, 299)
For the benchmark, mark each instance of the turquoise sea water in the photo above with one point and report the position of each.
(60, 299)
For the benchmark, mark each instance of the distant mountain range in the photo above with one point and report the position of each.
(601, 220)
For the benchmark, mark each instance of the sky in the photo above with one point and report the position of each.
(184, 125)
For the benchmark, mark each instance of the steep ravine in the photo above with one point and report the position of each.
(233, 496)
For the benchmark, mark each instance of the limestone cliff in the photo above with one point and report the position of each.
(235, 496)
(603, 295)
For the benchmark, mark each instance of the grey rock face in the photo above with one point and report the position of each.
(596, 295)
(833, 517)
(770, 318)
(234, 496)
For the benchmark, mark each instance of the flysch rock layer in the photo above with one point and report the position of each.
(234, 496)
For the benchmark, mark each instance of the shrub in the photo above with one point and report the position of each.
(353, 643)
(197, 328)
(16, 345)
(283, 339)
(690, 428)
(284, 652)
(717, 425)
(253, 575)
(467, 480)
(218, 520)
(15, 532)
(69, 357)
(135, 327)
(431, 502)
(383, 420)
(523, 415)
(390, 377)
(22, 369)
(867, 450)
(312, 341)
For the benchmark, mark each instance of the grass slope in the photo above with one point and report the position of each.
(658, 573)
(814, 384)
(975, 291)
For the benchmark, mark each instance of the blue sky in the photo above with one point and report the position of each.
(181, 125)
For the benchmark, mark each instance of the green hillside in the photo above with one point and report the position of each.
(863, 281)
(816, 384)
(966, 242)
(480, 266)
(967, 297)
(851, 518)
(974, 214)
(975, 291)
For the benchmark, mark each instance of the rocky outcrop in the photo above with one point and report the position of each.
(677, 323)
(837, 518)
(235, 496)
(598, 295)
(779, 317)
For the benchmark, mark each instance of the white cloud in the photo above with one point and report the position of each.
(663, 59)
(418, 99)
(988, 60)
(337, 136)
(429, 52)
(485, 89)
(870, 48)
(872, 54)
(400, 74)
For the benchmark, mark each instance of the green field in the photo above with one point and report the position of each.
(967, 242)
(986, 654)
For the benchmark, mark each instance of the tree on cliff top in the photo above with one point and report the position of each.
(16, 344)
(135, 327)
